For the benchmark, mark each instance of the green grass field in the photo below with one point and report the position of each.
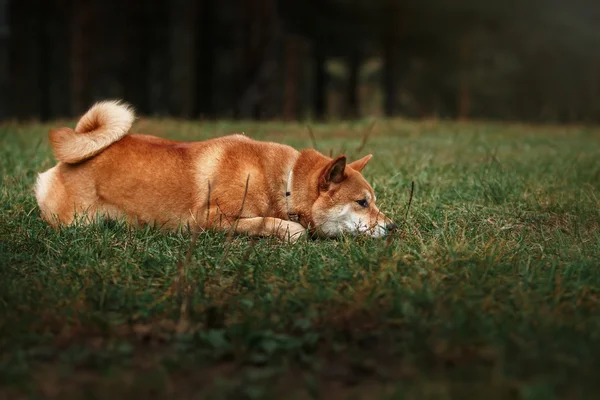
(490, 289)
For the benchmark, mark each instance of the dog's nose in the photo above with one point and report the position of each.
(391, 227)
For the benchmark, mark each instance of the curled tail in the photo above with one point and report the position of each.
(103, 124)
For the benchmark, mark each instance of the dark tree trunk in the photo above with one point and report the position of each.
(156, 48)
(4, 60)
(464, 84)
(135, 56)
(290, 96)
(246, 40)
(393, 26)
(206, 54)
(182, 77)
(593, 90)
(45, 51)
(352, 106)
(321, 80)
(25, 59)
(257, 55)
(83, 41)
(58, 17)
(106, 58)
(390, 79)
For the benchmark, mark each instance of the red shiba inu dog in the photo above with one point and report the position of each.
(232, 182)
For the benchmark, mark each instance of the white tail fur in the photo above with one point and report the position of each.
(103, 124)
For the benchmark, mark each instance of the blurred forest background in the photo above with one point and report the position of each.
(533, 60)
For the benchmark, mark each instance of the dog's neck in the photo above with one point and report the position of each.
(302, 186)
(292, 216)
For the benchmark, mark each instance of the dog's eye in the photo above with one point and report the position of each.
(363, 203)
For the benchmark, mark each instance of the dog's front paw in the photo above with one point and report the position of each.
(292, 231)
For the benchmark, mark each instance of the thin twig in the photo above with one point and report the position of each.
(235, 286)
(188, 255)
(183, 288)
(235, 224)
(412, 190)
(366, 137)
(208, 204)
(233, 227)
(312, 136)
(222, 214)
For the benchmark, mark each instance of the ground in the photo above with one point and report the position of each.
(490, 288)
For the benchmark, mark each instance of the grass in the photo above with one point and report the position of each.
(490, 288)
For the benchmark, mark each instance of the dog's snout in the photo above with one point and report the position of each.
(391, 227)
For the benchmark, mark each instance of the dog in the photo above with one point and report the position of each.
(232, 182)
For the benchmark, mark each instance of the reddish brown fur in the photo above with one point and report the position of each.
(152, 180)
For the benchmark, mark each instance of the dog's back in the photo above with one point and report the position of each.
(105, 170)
(259, 188)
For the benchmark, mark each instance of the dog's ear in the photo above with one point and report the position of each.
(333, 172)
(358, 165)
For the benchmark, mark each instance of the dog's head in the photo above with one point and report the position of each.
(346, 202)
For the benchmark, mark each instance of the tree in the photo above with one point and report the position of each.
(183, 59)
(156, 44)
(26, 68)
(321, 80)
(391, 31)
(291, 64)
(135, 49)
(352, 106)
(4, 57)
(335, 28)
(82, 34)
(259, 40)
(206, 53)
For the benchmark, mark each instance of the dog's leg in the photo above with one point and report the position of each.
(265, 226)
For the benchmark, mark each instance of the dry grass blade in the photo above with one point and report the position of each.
(222, 215)
(366, 137)
(184, 289)
(412, 190)
(235, 224)
(233, 227)
(208, 204)
(236, 285)
(312, 136)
